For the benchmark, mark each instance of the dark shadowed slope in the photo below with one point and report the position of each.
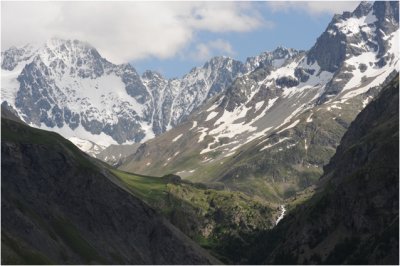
(59, 208)
(354, 216)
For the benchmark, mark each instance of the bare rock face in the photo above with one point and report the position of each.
(59, 208)
(340, 41)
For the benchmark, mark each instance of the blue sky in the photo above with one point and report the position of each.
(170, 37)
(291, 28)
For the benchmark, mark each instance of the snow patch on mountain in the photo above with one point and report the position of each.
(203, 134)
(259, 105)
(354, 25)
(194, 125)
(273, 144)
(102, 98)
(292, 125)
(87, 146)
(211, 116)
(379, 74)
(177, 137)
(101, 139)
(309, 119)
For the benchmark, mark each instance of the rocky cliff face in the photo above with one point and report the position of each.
(68, 87)
(367, 29)
(354, 216)
(60, 208)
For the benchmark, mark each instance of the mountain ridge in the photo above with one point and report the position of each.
(68, 87)
(277, 127)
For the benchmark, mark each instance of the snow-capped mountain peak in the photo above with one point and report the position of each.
(357, 44)
(281, 95)
(68, 87)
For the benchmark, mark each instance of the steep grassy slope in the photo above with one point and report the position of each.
(354, 216)
(60, 208)
(208, 216)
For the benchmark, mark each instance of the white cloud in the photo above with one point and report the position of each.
(204, 51)
(125, 31)
(220, 16)
(314, 8)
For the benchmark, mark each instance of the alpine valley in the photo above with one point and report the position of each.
(290, 157)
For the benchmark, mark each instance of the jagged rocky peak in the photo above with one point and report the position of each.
(66, 47)
(357, 44)
(202, 83)
(66, 85)
(351, 33)
(275, 58)
(68, 56)
(273, 71)
(150, 74)
(228, 63)
(75, 57)
(330, 49)
(283, 52)
(213, 66)
(13, 55)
